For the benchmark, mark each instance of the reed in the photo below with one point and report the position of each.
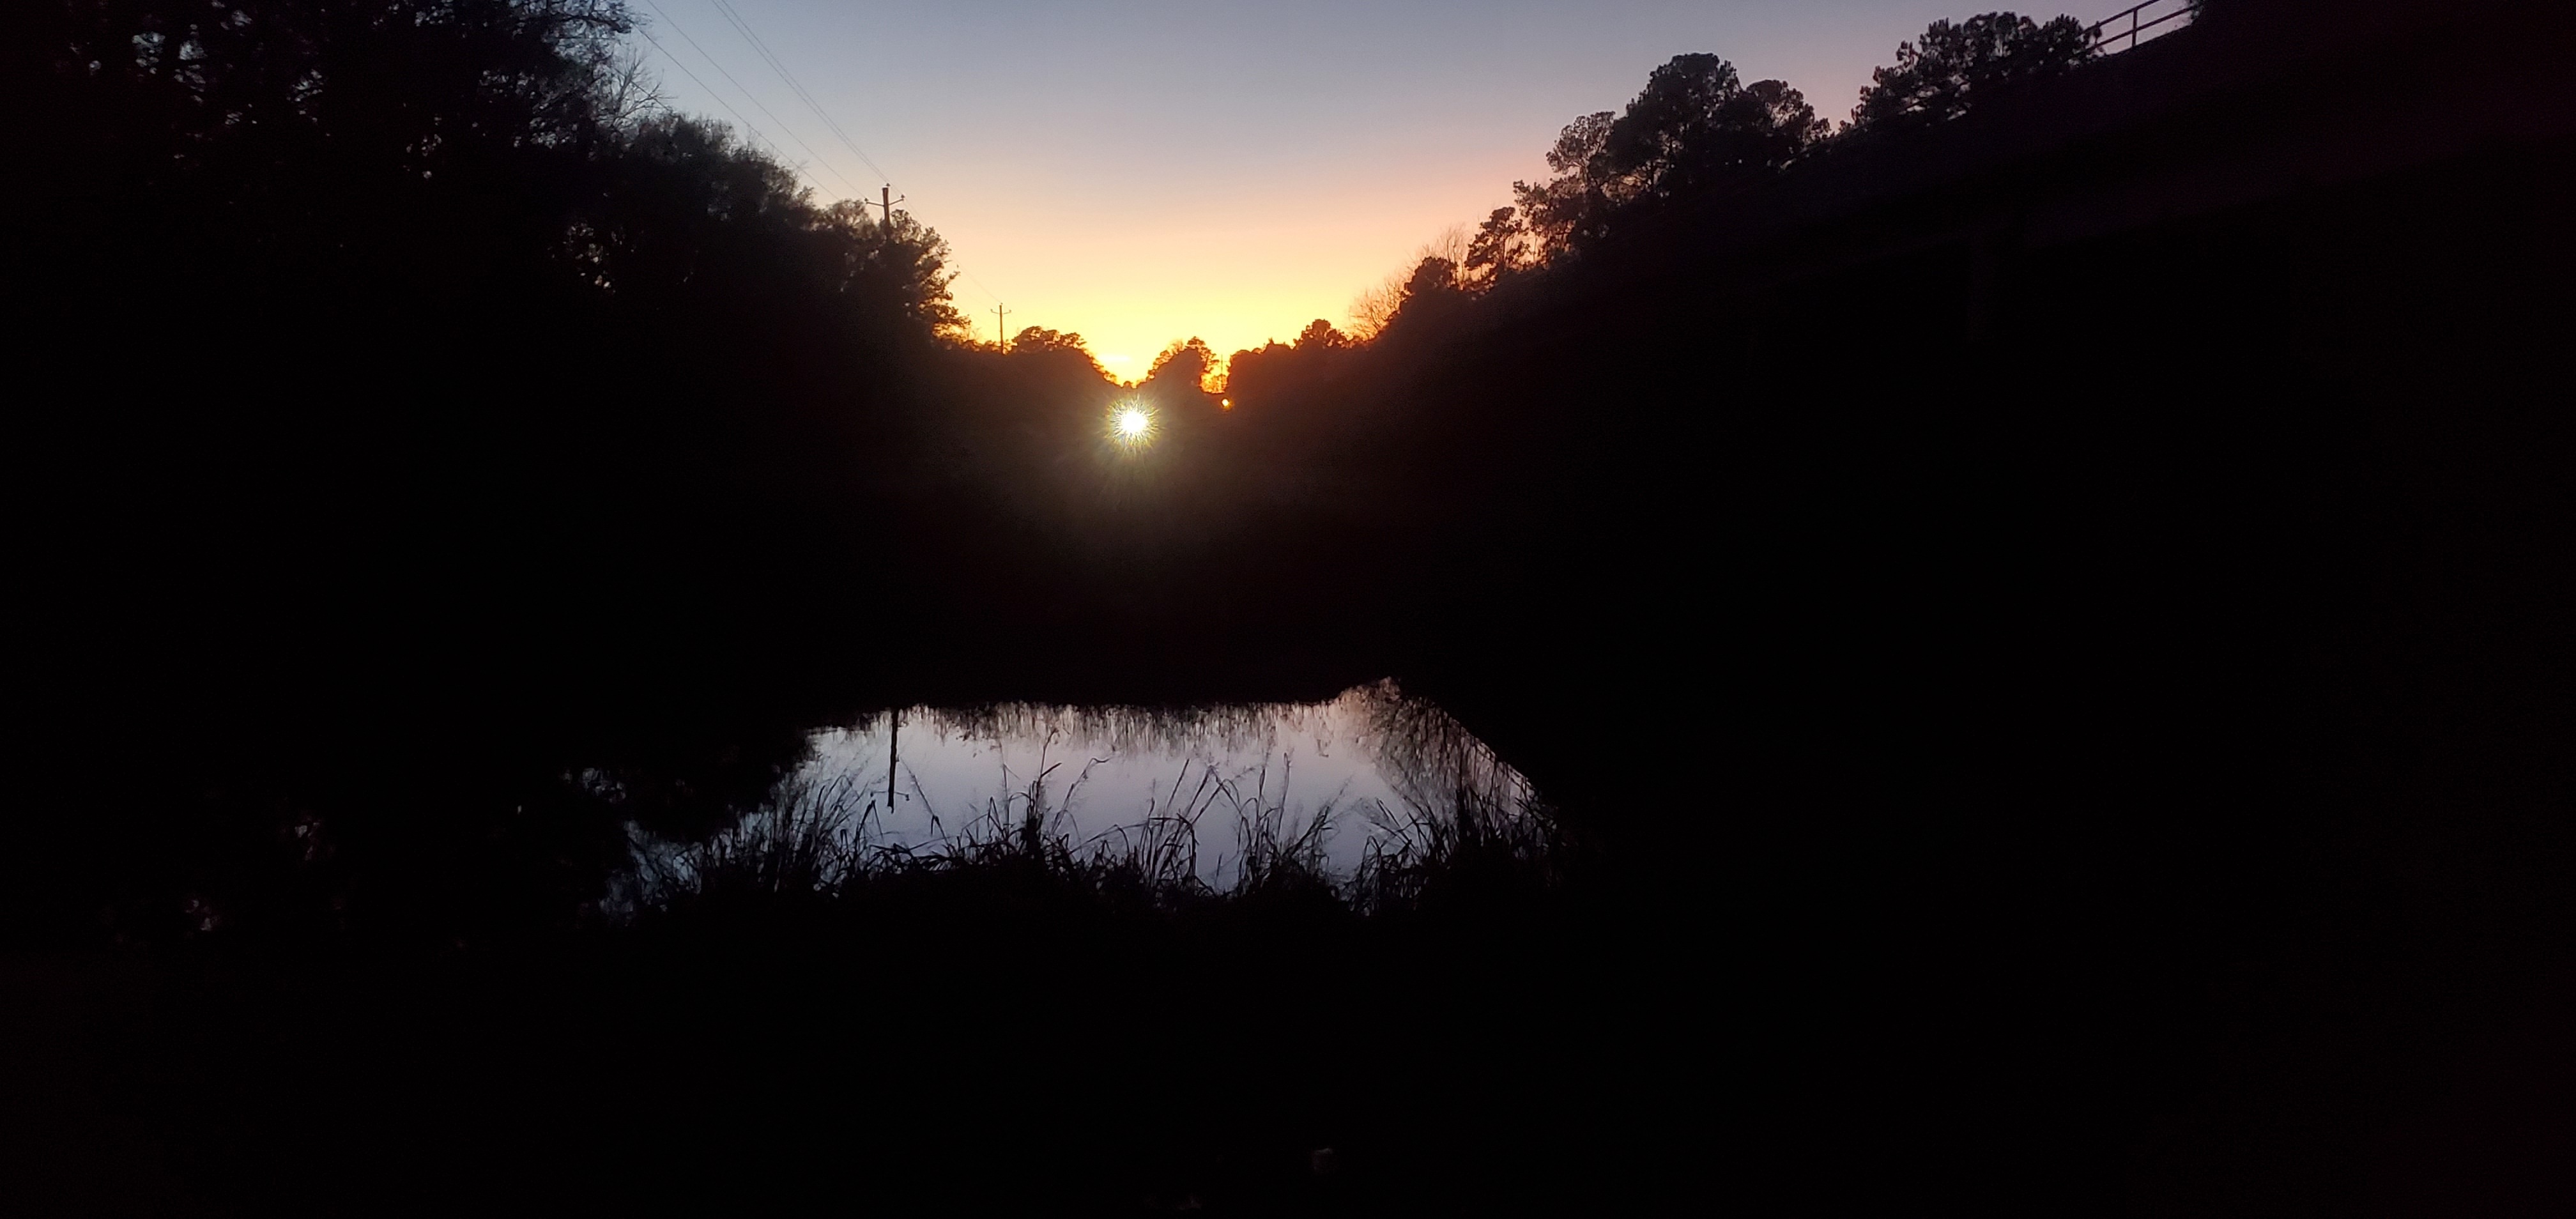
(817, 841)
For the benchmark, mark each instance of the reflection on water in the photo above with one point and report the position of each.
(1369, 776)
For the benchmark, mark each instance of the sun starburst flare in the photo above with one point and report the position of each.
(1132, 425)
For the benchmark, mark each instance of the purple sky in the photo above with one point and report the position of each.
(1146, 170)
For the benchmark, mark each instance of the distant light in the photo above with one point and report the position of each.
(1131, 424)
(1227, 403)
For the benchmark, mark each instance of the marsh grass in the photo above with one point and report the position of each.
(1019, 1016)
(1461, 819)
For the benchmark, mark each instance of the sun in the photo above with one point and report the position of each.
(1131, 424)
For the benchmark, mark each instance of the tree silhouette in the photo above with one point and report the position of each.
(1433, 278)
(412, 302)
(1062, 353)
(1694, 128)
(1320, 335)
(1275, 372)
(1037, 340)
(1944, 74)
(1186, 365)
(1502, 247)
(1570, 206)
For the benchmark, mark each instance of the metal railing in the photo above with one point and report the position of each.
(2140, 23)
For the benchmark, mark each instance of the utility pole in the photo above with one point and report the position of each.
(999, 337)
(885, 204)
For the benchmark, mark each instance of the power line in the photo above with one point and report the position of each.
(979, 285)
(749, 128)
(718, 65)
(742, 24)
(886, 201)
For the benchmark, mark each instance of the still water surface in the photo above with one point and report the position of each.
(1361, 771)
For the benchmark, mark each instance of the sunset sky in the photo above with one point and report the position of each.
(1141, 171)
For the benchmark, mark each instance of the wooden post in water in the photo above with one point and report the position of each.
(894, 738)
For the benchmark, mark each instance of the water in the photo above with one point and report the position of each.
(1366, 771)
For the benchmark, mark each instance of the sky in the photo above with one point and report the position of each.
(1142, 171)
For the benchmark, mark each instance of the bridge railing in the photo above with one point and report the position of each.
(2124, 30)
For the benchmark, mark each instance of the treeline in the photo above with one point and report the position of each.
(452, 279)
(1698, 132)
(1379, 426)
(1625, 184)
(406, 402)
(428, 317)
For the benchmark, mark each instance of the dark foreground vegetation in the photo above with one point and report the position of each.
(2042, 615)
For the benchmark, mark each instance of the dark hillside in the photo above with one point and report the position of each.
(2120, 543)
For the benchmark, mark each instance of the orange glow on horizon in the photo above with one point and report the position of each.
(1234, 263)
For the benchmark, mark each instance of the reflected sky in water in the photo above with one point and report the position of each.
(1368, 762)
(1370, 770)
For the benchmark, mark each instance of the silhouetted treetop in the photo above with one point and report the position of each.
(1321, 335)
(1501, 247)
(900, 267)
(1696, 131)
(443, 139)
(1061, 351)
(1034, 339)
(1944, 74)
(415, 86)
(1275, 372)
(1432, 277)
(1694, 128)
(1185, 364)
(1565, 208)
